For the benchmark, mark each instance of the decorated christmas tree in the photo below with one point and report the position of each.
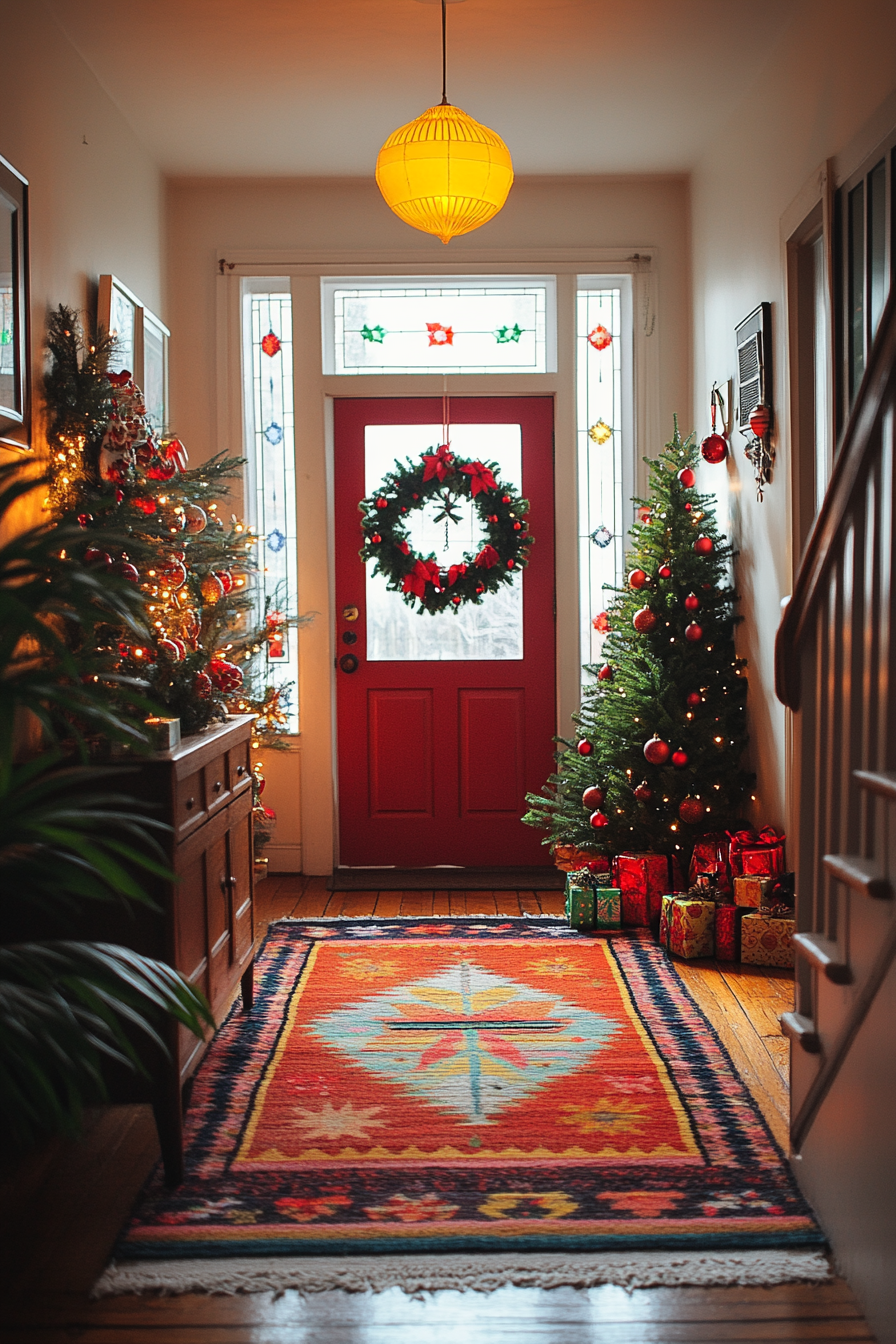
(146, 516)
(662, 727)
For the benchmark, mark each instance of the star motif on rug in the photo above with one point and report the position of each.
(330, 1122)
(466, 1040)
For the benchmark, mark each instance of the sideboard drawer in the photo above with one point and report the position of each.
(189, 807)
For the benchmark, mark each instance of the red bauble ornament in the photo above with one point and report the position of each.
(644, 621)
(637, 578)
(692, 602)
(195, 519)
(598, 820)
(375, 539)
(124, 570)
(505, 499)
(202, 686)
(703, 545)
(644, 514)
(601, 622)
(679, 758)
(691, 810)
(85, 519)
(167, 648)
(605, 673)
(714, 449)
(226, 677)
(93, 556)
(664, 572)
(687, 478)
(592, 797)
(584, 748)
(688, 507)
(694, 699)
(656, 751)
(146, 506)
(179, 645)
(693, 632)
(643, 792)
(212, 589)
(174, 575)
(161, 470)
(383, 503)
(760, 420)
(226, 580)
(510, 564)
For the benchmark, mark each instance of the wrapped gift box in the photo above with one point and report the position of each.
(766, 941)
(569, 859)
(752, 891)
(752, 855)
(710, 855)
(687, 926)
(644, 879)
(607, 908)
(727, 931)
(579, 904)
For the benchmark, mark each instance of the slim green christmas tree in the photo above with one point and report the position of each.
(662, 727)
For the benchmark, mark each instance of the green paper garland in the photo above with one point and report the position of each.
(421, 579)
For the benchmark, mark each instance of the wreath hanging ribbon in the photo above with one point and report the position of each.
(451, 479)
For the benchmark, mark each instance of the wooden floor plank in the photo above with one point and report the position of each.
(551, 902)
(481, 903)
(314, 899)
(508, 903)
(441, 902)
(355, 903)
(416, 903)
(457, 902)
(529, 903)
(388, 904)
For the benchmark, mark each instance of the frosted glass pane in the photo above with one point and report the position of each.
(122, 320)
(399, 633)
(497, 326)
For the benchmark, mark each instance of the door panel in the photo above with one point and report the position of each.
(492, 729)
(444, 723)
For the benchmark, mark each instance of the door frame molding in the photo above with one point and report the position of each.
(314, 750)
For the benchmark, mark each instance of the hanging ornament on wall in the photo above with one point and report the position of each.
(444, 173)
(758, 451)
(715, 446)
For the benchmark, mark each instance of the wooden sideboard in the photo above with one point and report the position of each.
(203, 790)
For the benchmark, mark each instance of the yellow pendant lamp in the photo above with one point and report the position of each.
(444, 173)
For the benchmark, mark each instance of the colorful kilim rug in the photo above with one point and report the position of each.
(468, 1085)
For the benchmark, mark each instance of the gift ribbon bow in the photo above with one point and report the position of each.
(438, 464)
(455, 572)
(487, 557)
(424, 572)
(480, 477)
(767, 838)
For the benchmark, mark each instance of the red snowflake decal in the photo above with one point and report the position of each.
(270, 344)
(601, 622)
(600, 338)
(439, 335)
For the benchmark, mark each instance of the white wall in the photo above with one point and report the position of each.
(95, 196)
(267, 223)
(829, 74)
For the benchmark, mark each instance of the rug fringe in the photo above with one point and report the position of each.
(416, 1274)
(412, 919)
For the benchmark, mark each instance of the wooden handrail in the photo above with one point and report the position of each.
(874, 396)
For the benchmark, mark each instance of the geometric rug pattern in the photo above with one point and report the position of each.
(468, 1085)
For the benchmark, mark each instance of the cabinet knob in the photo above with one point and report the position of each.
(240, 770)
(228, 882)
(216, 787)
(189, 803)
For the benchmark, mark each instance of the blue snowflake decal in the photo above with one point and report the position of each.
(276, 540)
(273, 434)
(602, 536)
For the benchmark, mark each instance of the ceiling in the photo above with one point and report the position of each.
(313, 87)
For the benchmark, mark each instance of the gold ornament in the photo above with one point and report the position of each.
(600, 432)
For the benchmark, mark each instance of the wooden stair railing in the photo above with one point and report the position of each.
(834, 652)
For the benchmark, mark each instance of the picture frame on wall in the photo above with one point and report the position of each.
(141, 344)
(15, 344)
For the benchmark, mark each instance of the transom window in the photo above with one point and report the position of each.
(483, 324)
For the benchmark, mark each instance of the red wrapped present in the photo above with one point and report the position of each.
(765, 940)
(686, 926)
(752, 855)
(569, 859)
(728, 939)
(711, 856)
(644, 879)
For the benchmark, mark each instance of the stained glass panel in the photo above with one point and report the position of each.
(599, 411)
(488, 325)
(122, 325)
(270, 420)
(490, 631)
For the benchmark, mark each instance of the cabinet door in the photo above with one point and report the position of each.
(240, 842)
(220, 919)
(190, 945)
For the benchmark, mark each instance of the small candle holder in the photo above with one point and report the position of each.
(164, 734)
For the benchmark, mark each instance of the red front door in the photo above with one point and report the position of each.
(446, 721)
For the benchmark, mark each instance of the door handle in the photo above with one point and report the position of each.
(349, 663)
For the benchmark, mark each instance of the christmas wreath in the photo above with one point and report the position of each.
(449, 479)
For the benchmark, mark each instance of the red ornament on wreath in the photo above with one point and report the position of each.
(225, 677)
(714, 449)
(643, 792)
(645, 620)
(637, 579)
(656, 751)
(679, 758)
(605, 673)
(592, 797)
(693, 632)
(584, 747)
(687, 478)
(703, 545)
(691, 810)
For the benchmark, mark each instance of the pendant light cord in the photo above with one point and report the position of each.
(444, 57)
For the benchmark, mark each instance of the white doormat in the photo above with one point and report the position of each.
(417, 1274)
